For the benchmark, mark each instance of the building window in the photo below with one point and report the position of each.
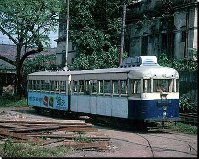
(144, 45)
(183, 36)
(164, 42)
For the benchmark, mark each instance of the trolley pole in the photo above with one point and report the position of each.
(67, 28)
(122, 34)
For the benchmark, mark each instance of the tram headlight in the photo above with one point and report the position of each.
(164, 114)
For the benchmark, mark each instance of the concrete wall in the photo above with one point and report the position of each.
(149, 33)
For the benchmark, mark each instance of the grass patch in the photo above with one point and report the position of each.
(11, 149)
(11, 101)
(183, 128)
(82, 138)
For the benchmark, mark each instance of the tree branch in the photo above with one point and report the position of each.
(8, 60)
(6, 33)
(32, 52)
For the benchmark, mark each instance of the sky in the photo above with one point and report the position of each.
(53, 36)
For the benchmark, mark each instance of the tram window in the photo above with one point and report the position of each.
(81, 86)
(94, 86)
(115, 87)
(38, 85)
(107, 86)
(62, 86)
(75, 86)
(52, 86)
(100, 87)
(123, 86)
(47, 85)
(87, 87)
(135, 86)
(162, 85)
(34, 85)
(146, 85)
(30, 84)
(56, 85)
(171, 85)
(42, 85)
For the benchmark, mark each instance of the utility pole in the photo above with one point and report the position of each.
(122, 34)
(67, 28)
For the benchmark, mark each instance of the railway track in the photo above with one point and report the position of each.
(189, 118)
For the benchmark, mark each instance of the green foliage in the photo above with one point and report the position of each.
(39, 63)
(97, 60)
(27, 24)
(178, 64)
(183, 128)
(186, 105)
(95, 28)
(12, 102)
(11, 149)
(82, 138)
(23, 19)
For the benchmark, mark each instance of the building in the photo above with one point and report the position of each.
(161, 26)
(61, 44)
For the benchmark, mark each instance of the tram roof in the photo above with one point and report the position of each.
(140, 71)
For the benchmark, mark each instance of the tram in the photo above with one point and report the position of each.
(140, 89)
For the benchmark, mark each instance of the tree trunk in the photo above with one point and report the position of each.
(19, 90)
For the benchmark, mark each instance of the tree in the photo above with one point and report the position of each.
(95, 27)
(27, 24)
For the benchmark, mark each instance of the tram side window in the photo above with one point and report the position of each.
(56, 85)
(100, 87)
(87, 87)
(107, 86)
(45, 85)
(30, 85)
(62, 86)
(123, 87)
(115, 87)
(52, 85)
(81, 86)
(162, 85)
(93, 86)
(42, 85)
(75, 87)
(34, 85)
(146, 85)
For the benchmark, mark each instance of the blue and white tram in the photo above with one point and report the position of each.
(48, 90)
(146, 92)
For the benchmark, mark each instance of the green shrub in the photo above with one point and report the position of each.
(12, 102)
(186, 105)
(183, 128)
(11, 149)
(82, 138)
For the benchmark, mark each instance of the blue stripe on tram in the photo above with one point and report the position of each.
(153, 109)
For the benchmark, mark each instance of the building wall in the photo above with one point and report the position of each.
(150, 33)
(185, 21)
(61, 53)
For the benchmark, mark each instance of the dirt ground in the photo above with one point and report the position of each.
(126, 143)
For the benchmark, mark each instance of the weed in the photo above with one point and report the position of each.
(11, 149)
(183, 128)
(12, 102)
(82, 138)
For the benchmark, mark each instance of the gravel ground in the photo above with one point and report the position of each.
(127, 143)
